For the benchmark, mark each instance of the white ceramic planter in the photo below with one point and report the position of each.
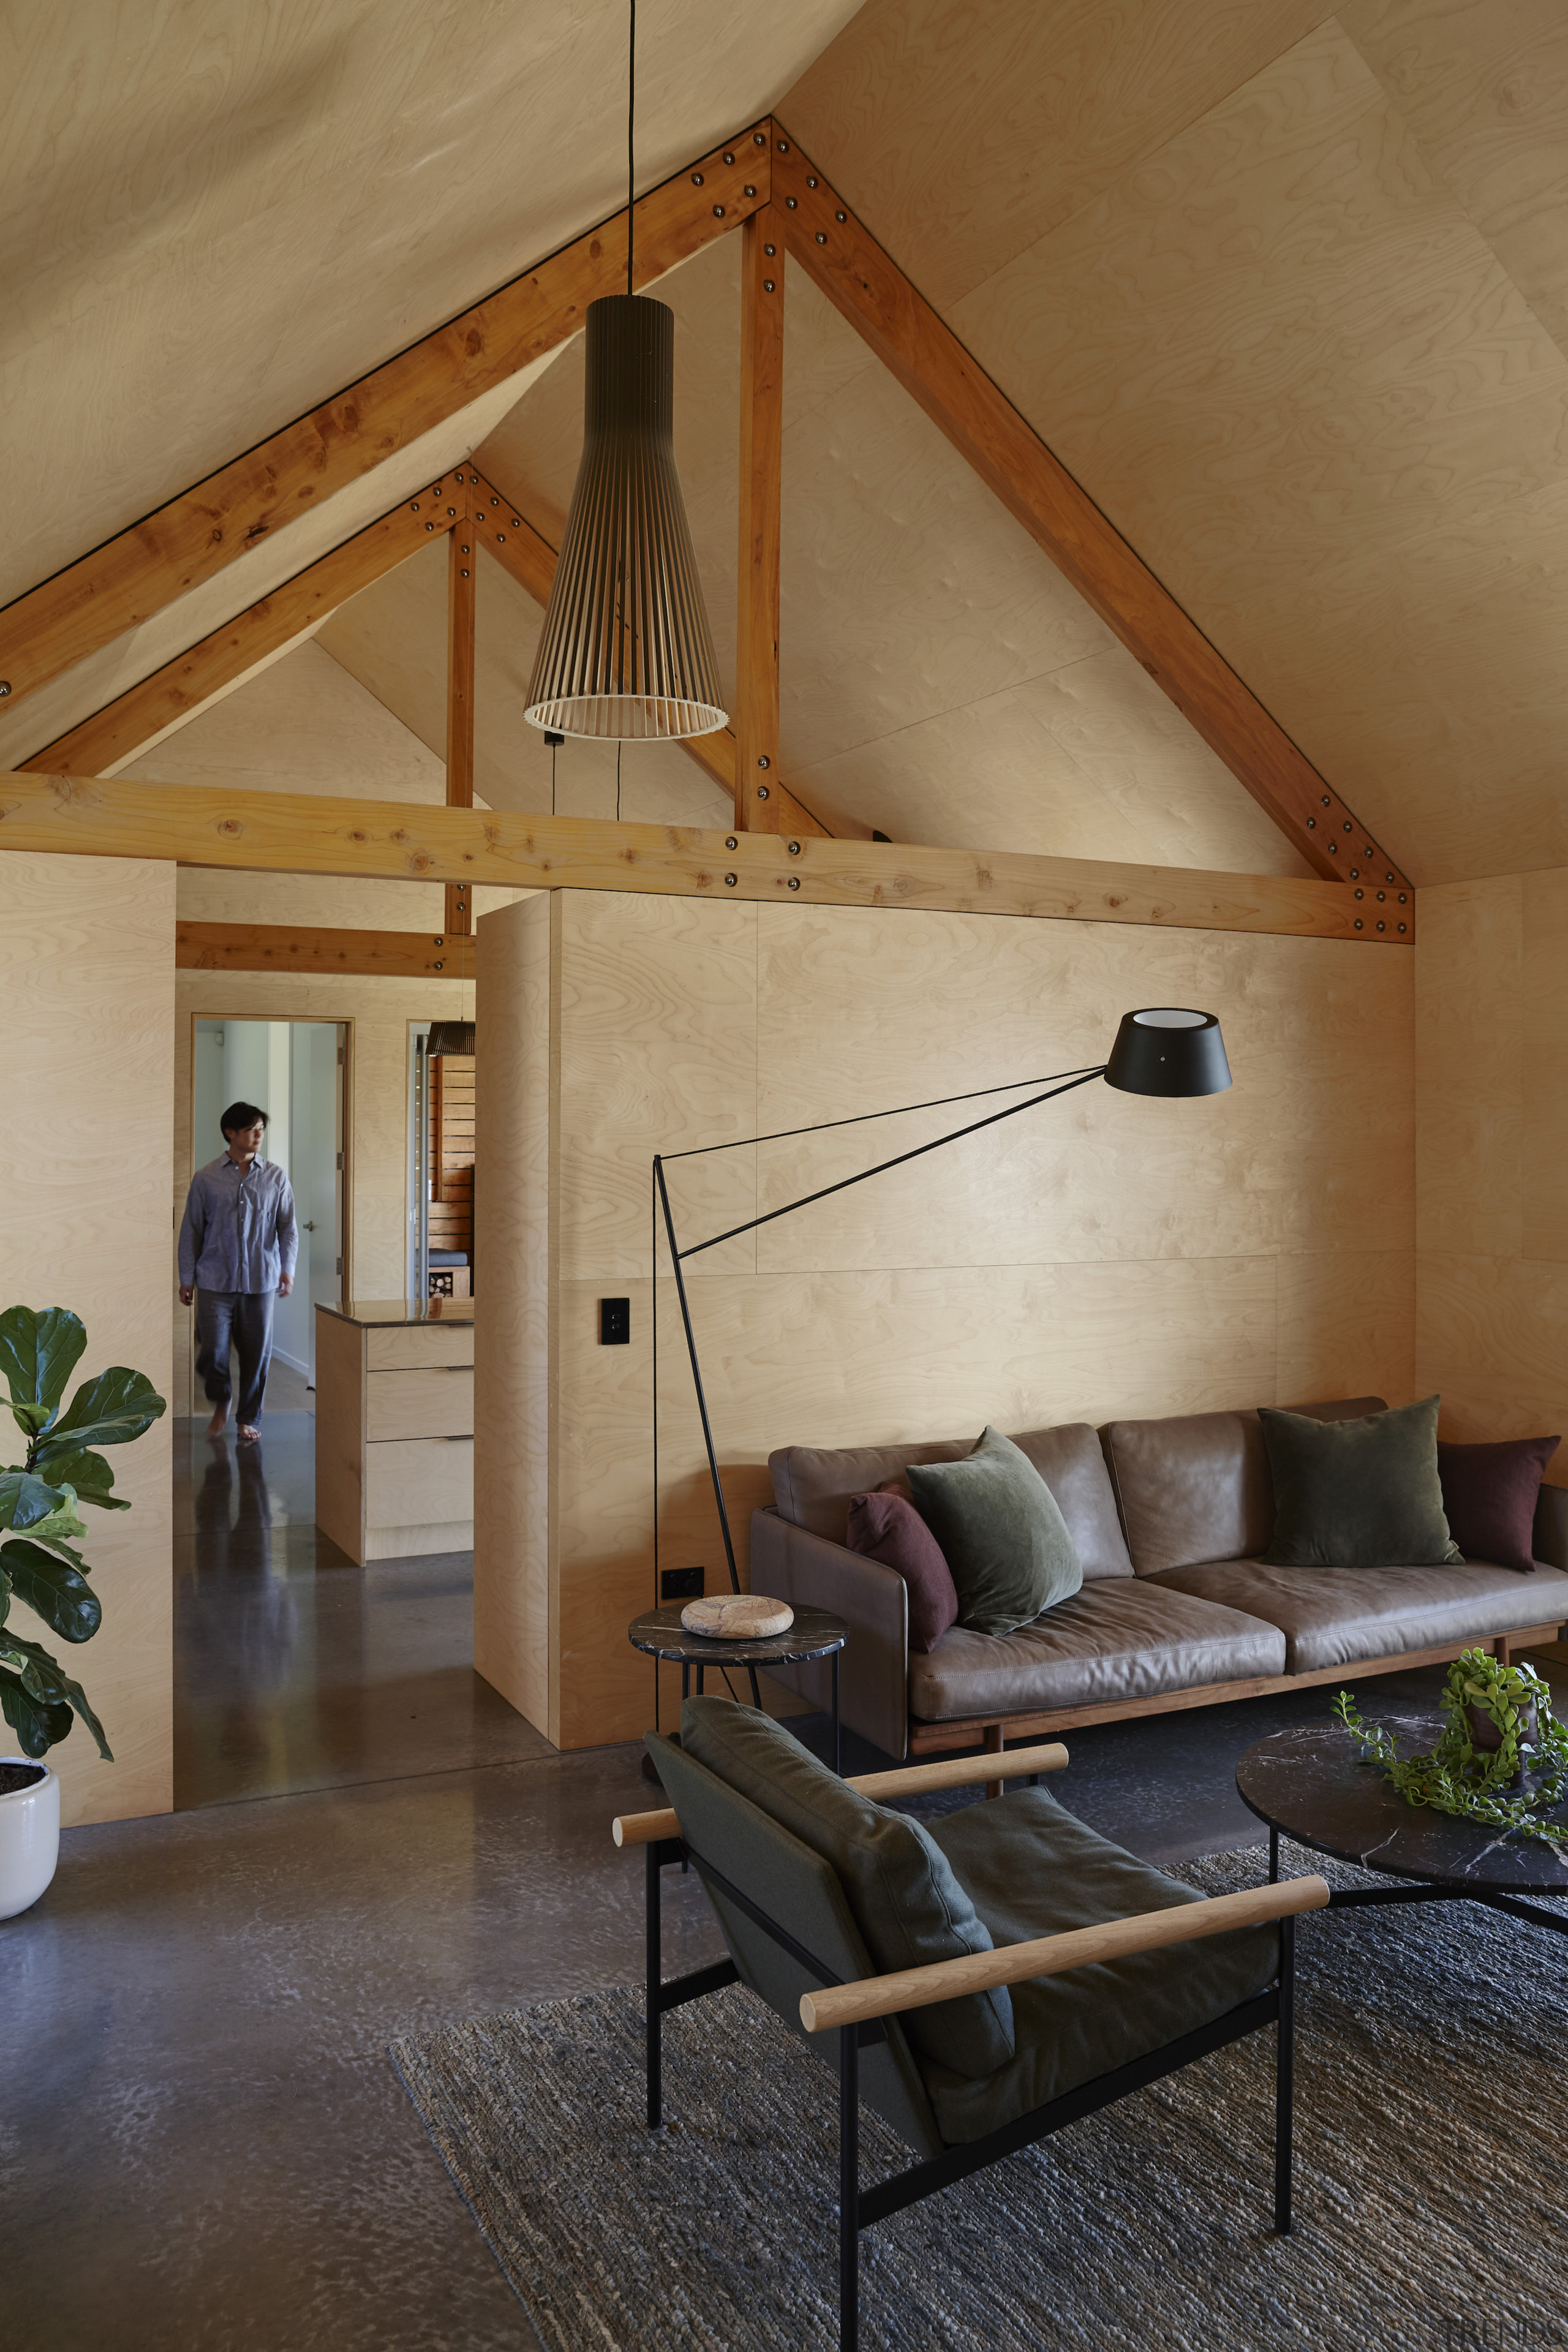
(29, 1840)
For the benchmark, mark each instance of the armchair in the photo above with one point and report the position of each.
(1079, 2045)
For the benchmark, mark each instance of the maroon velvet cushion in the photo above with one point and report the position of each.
(885, 1526)
(1490, 1494)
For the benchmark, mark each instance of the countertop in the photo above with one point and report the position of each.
(383, 1311)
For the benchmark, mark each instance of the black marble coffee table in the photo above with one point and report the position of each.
(1313, 1785)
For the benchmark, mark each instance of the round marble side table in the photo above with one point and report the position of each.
(815, 1634)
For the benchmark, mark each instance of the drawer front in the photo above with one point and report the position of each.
(419, 1482)
(420, 1404)
(418, 1347)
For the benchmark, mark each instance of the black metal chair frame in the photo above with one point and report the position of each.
(860, 2208)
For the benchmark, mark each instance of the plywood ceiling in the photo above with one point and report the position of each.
(1290, 317)
(1288, 293)
(217, 213)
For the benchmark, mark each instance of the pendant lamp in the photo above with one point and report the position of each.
(625, 650)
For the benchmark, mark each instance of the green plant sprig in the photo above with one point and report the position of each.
(39, 1564)
(1471, 1782)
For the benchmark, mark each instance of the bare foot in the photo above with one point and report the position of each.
(218, 1422)
(247, 1434)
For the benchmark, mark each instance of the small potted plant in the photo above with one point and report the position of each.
(41, 1568)
(1502, 1757)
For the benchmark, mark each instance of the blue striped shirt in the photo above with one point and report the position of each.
(238, 1232)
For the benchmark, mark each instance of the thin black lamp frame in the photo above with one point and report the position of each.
(860, 2208)
(1062, 1081)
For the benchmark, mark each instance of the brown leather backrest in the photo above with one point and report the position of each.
(812, 1485)
(1197, 1486)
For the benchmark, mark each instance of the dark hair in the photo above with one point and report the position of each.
(241, 1114)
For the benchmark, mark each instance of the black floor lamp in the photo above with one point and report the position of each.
(1163, 1050)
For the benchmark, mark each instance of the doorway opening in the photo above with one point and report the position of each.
(297, 1071)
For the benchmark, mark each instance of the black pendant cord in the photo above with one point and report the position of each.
(631, 150)
(661, 1205)
(863, 1118)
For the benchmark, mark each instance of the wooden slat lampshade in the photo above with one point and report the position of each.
(625, 650)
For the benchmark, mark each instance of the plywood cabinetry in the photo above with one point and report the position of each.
(394, 1432)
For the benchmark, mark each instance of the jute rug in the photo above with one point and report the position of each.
(1431, 2171)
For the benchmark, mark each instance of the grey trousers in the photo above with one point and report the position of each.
(244, 1318)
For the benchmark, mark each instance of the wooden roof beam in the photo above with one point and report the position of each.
(304, 947)
(292, 833)
(116, 586)
(872, 292)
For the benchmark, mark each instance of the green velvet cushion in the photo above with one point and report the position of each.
(1001, 1533)
(1033, 1870)
(907, 1903)
(1357, 1494)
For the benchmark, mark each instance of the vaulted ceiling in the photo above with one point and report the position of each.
(1287, 292)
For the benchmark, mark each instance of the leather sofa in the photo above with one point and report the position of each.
(1178, 1609)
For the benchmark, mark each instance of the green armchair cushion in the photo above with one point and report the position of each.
(907, 1903)
(1001, 1532)
(1357, 1494)
(1032, 1869)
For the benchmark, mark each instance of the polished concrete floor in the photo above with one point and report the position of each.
(203, 2146)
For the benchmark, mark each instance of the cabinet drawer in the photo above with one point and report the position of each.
(419, 1481)
(438, 1403)
(418, 1347)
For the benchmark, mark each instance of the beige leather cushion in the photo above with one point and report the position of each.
(812, 1485)
(1120, 1638)
(1197, 1486)
(1338, 1616)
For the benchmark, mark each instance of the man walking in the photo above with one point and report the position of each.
(237, 1247)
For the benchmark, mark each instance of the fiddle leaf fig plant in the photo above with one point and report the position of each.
(1478, 1783)
(40, 1523)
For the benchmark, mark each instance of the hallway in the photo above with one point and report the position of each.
(296, 1670)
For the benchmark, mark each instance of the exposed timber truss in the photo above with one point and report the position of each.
(761, 182)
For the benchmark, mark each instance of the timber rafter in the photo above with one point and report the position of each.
(140, 570)
(869, 289)
(762, 179)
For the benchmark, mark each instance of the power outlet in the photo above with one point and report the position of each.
(614, 1322)
(680, 1583)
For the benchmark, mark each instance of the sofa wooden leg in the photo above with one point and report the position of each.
(994, 1744)
(1503, 1650)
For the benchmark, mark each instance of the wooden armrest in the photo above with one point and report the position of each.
(1049, 1956)
(905, 1780)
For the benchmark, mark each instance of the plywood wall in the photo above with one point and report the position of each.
(514, 1428)
(87, 977)
(1102, 1255)
(380, 1012)
(1491, 979)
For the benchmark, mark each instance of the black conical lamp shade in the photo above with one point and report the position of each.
(1168, 1050)
(625, 650)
